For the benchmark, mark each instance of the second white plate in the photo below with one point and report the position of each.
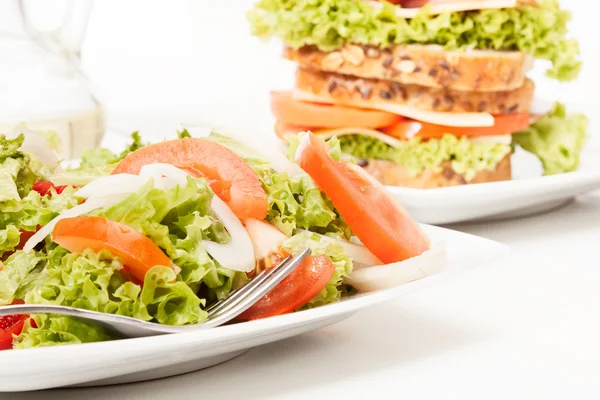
(527, 194)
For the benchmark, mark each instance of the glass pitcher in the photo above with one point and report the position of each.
(41, 83)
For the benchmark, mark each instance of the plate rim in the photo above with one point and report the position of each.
(561, 184)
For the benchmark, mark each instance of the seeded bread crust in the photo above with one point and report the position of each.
(343, 89)
(392, 174)
(431, 66)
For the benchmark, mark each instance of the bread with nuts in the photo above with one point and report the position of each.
(393, 174)
(431, 66)
(348, 90)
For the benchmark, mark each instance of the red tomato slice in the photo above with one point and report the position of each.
(25, 236)
(503, 125)
(301, 286)
(227, 173)
(9, 326)
(374, 216)
(137, 251)
(43, 187)
(295, 112)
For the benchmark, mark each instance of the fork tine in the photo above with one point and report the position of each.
(259, 279)
(242, 303)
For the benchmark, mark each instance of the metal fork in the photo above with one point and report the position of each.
(218, 314)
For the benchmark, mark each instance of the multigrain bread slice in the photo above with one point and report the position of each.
(344, 89)
(393, 174)
(424, 65)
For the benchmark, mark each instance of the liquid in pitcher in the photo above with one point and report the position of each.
(78, 132)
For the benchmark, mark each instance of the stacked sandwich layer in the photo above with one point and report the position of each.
(425, 97)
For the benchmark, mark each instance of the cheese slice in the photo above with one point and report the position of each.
(393, 142)
(440, 7)
(464, 120)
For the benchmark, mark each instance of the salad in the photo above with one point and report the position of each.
(161, 231)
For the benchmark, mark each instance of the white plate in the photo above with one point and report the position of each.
(528, 193)
(141, 359)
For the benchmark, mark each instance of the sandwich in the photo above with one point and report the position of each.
(426, 95)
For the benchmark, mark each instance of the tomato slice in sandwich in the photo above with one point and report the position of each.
(503, 125)
(294, 112)
(375, 217)
(234, 181)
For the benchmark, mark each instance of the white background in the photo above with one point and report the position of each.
(527, 328)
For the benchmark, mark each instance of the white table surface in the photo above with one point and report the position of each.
(525, 328)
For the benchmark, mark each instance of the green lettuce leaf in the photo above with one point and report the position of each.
(183, 134)
(335, 252)
(82, 176)
(58, 330)
(20, 207)
(557, 139)
(17, 172)
(14, 274)
(540, 31)
(100, 157)
(294, 201)
(34, 210)
(93, 281)
(9, 193)
(9, 148)
(177, 220)
(467, 157)
(96, 163)
(10, 237)
(29, 213)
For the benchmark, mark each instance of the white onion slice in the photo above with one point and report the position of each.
(265, 237)
(389, 275)
(360, 255)
(88, 206)
(238, 254)
(166, 176)
(111, 185)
